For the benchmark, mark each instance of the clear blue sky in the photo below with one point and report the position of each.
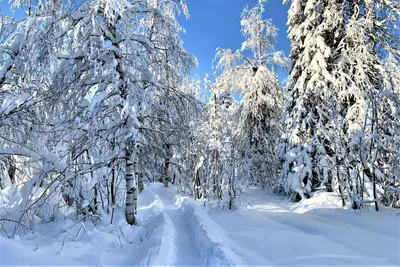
(216, 23)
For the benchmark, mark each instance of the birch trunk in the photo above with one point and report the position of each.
(131, 193)
(138, 172)
(166, 164)
(140, 179)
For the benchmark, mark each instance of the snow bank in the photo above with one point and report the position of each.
(65, 242)
(320, 199)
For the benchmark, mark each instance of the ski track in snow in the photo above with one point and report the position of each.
(183, 238)
(174, 230)
(196, 239)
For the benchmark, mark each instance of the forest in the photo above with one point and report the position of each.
(99, 106)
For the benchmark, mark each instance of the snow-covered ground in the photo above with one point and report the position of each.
(273, 231)
(175, 230)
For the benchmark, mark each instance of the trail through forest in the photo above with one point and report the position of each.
(175, 230)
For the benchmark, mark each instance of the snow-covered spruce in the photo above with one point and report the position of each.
(341, 121)
(307, 146)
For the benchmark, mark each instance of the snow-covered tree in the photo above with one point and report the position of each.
(307, 148)
(98, 73)
(251, 72)
(368, 100)
(216, 147)
(342, 113)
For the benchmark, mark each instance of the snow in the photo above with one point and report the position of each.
(175, 230)
(316, 231)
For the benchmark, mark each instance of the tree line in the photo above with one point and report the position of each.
(97, 98)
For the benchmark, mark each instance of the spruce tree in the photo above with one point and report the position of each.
(306, 148)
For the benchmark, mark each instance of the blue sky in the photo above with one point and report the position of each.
(216, 23)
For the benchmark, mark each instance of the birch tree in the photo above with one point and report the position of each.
(368, 99)
(95, 74)
(262, 95)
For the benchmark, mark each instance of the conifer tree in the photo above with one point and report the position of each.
(307, 149)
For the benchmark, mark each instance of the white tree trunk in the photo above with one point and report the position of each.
(131, 191)
(138, 171)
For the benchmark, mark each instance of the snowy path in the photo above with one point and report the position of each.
(195, 241)
(187, 253)
(174, 230)
(183, 239)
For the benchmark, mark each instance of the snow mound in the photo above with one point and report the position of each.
(320, 199)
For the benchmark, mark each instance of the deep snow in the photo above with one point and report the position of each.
(274, 231)
(174, 230)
